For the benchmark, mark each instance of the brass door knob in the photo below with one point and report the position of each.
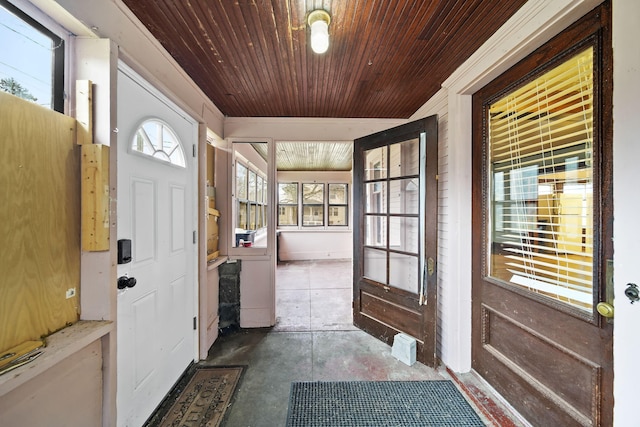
(605, 309)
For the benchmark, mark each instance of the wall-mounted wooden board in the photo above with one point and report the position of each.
(95, 197)
(39, 221)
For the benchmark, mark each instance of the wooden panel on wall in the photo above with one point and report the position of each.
(40, 227)
(95, 197)
(84, 111)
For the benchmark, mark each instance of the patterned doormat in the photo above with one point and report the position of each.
(200, 398)
(386, 403)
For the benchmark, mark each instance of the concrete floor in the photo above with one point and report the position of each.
(313, 340)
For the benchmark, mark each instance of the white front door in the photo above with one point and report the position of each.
(156, 196)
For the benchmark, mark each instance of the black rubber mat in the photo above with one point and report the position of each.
(385, 403)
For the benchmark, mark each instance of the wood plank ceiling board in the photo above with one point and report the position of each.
(310, 156)
(385, 60)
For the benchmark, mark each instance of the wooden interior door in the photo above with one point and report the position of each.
(542, 230)
(395, 234)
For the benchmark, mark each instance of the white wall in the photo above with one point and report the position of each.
(438, 105)
(626, 157)
(67, 394)
(257, 292)
(315, 245)
(305, 129)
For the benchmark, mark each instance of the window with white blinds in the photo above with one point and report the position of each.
(540, 224)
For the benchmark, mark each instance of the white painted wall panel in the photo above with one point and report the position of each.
(626, 151)
(68, 394)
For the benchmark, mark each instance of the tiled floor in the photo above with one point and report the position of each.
(313, 340)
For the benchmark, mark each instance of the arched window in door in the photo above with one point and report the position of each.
(156, 139)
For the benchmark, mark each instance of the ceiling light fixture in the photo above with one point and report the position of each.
(318, 21)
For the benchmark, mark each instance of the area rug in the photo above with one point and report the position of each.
(386, 403)
(202, 400)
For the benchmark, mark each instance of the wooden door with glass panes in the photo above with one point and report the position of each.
(395, 234)
(542, 230)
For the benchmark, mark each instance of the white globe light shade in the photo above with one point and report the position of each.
(320, 36)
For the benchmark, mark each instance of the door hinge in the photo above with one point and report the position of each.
(194, 323)
(194, 237)
(194, 150)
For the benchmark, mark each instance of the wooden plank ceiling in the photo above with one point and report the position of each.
(385, 60)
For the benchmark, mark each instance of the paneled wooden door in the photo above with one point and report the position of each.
(395, 234)
(542, 236)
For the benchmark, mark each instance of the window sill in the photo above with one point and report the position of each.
(60, 345)
(213, 264)
(320, 229)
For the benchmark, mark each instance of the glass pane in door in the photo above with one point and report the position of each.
(392, 208)
(404, 158)
(540, 231)
(376, 197)
(375, 164)
(375, 265)
(403, 272)
(376, 231)
(404, 234)
(404, 196)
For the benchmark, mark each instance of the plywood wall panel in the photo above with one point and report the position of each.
(39, 221)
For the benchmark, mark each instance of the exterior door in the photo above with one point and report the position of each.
(542, 237)
(395, 235)
(156, 337)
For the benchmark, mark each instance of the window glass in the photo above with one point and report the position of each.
(375, 164)
(252, 217)
(242, 215)
(313, 204)
(265, 195)
(337, 194)
(259, 188)
(338, 215)
(404, 158)
(313, 215)
(313, 193)
(288, 193)
(250, 222)
(287, 203)
(253, 179)
(338, 202)
(391, 212)
(288, 215)
(241, 181)
(157, 140)
(541, 184)
(31, 60)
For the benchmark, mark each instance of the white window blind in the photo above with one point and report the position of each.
(540, 153)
